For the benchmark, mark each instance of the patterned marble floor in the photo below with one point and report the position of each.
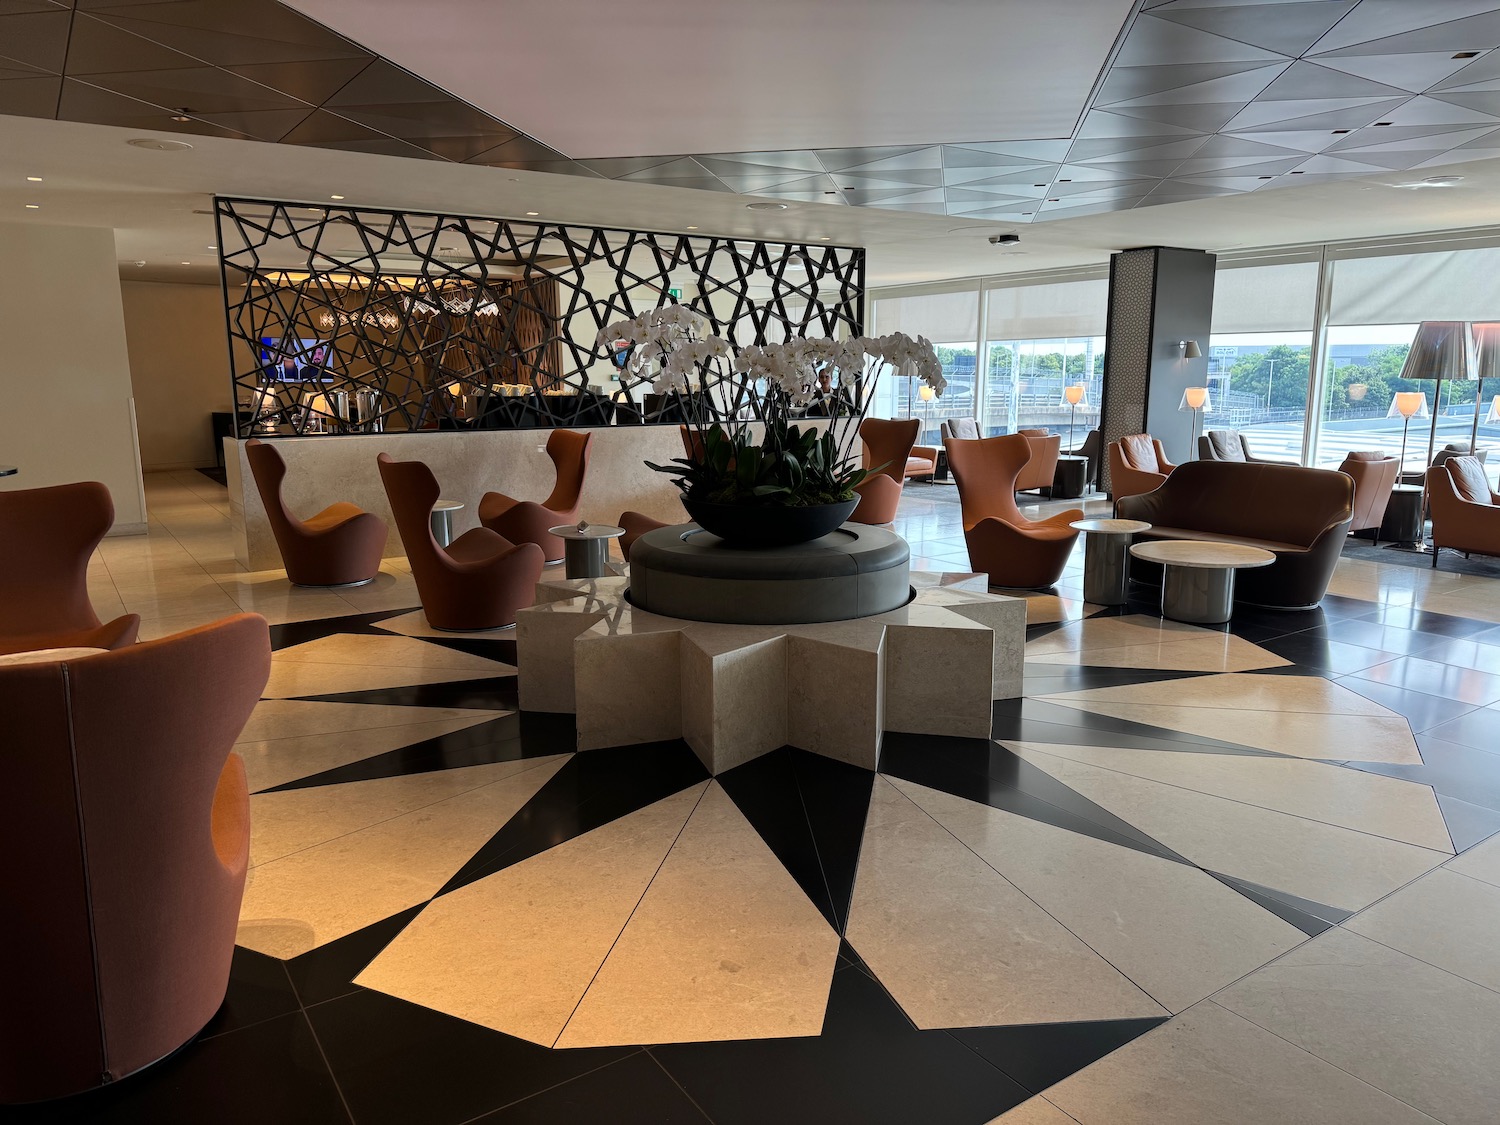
(1194, 876)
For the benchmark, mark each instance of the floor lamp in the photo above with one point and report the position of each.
(1487, 366)
(1197, 400)
(1406, 405)
(926, 394)
(1442, 349)
(1072, 399)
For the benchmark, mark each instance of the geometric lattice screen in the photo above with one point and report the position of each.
(349, 319)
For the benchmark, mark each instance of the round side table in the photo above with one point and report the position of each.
(442, 520)
(1106, 558)
(586, 548)
(1198, 578)
(1070, 479)
(1403, 516)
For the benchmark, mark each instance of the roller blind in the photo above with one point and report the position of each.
(1276, 298)
(944, 318)
(1409, 288)
(1049, 311)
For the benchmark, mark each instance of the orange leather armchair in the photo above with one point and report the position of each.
(1374, 475)
(1137, 464)
(126, 836)
(637, 524)
(524, 521)
(1042, 468)
(887, 448)
(340, 546)
(1465, 510)
(1012, 550)
(47, 536)
(479, 580)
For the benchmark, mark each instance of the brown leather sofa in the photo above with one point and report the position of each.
(340, 546)
(1299, 515)
(1374, 475)
(1230, 445)
(1038, 473)
(1092, 451)
(47, 536)
(1465, 510)
(524, 521)
(479, 580)
(1137, 464)
(887, 447)
(1013, 550)
(126, 837)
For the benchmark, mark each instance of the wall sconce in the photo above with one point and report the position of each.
(1357, 391)
(1072, 398)
(1190, 349)
(1198, 401)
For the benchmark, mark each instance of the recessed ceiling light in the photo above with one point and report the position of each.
(1065, 181)
(1385, 123)
(825, 238)
(1341, 132)
(1467, 55)
(765, 206)
(156, 144)
(1027, 214)
(33, 206)
(1268, 177)
(1054, 201)
(33, 179)
(335, 197)
(532, 214)
(692, 228)
(213, 247)
(1038, 185)
(187, 263)
(1296, 173)
(1431, 182)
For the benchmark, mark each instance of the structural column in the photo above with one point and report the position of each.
(1159, 299)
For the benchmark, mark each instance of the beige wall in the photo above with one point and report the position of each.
(179, 366)
(65, 394)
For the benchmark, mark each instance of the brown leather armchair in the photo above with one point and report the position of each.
(1091, 451)
(887, 447)
(1137, 464)
(1300, 515)
(1039, 472)
(1012, 550)
(1374, 475)
(1465, 510)
(1230, 445)
(340, 546)
(47, 536)
(1447, 452)
(524, 521)
(479, 580)
(126, 837)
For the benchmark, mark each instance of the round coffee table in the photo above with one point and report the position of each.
(1198, 578)
(442, 520)
(586, 548)
(1106, 558)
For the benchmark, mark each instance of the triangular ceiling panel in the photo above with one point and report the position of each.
(1305, 80)
(1413, 72)
(1287, 29)
(1126, 83)
(1153, 39)
(1455, 35)
(1204, 118)
(1234, 88)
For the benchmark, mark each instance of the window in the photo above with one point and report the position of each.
(951, 321)
(1041, 338)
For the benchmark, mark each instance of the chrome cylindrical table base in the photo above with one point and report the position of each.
(585, 558)
(442, 520)
(1106, 559)
(1197, 595)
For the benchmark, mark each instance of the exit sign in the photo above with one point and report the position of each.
(675, 294)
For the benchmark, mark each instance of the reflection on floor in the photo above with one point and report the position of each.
(1195, 876)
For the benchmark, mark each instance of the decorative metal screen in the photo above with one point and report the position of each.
(350, 319)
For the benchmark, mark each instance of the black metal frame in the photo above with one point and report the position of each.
(394, 293)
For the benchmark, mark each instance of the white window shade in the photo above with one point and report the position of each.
(1276, 298)
(944, 318)
(1048, 312)
(1410, 288)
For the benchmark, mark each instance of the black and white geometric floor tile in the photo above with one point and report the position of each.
(454, 917)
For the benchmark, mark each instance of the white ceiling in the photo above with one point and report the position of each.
(92, 178)
(604, 78)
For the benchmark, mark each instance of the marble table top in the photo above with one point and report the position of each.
(448, 505)
(1110, 527)
(589, 531)
(1208, 556)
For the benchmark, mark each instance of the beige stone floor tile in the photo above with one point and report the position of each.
(290, 679)
(1222, 653)
(724, 945)
(1340, 738)
(1243, 692)
(325, 892)
(1446, 919)
(957, 945)
(1365, 802)
(1307, 858)
(1111, 632)
(379, 650)
(279, 760)
(1034, 1111)
(1482, 861)
(297, 718)
(515, 951)
(1412, 1030)
(414, 624)
(1448, 680)
(1043, 608)
(290, 821)
(1175, 931)
(1211, 1067)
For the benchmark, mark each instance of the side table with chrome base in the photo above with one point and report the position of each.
(586, 548)
(1070, 479)
(1106, 558)
(1197, 583)
(1402, 525)
(442, 520)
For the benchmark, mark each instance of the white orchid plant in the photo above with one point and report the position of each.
(773, 383)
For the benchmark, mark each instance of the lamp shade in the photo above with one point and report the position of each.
(1191, 350)
(1196, 398)
(1408, 404)
(1442, 349)
(1357, 391)
(1493, 417)
(1073, 396)
(1487, 350)
(926, 393)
